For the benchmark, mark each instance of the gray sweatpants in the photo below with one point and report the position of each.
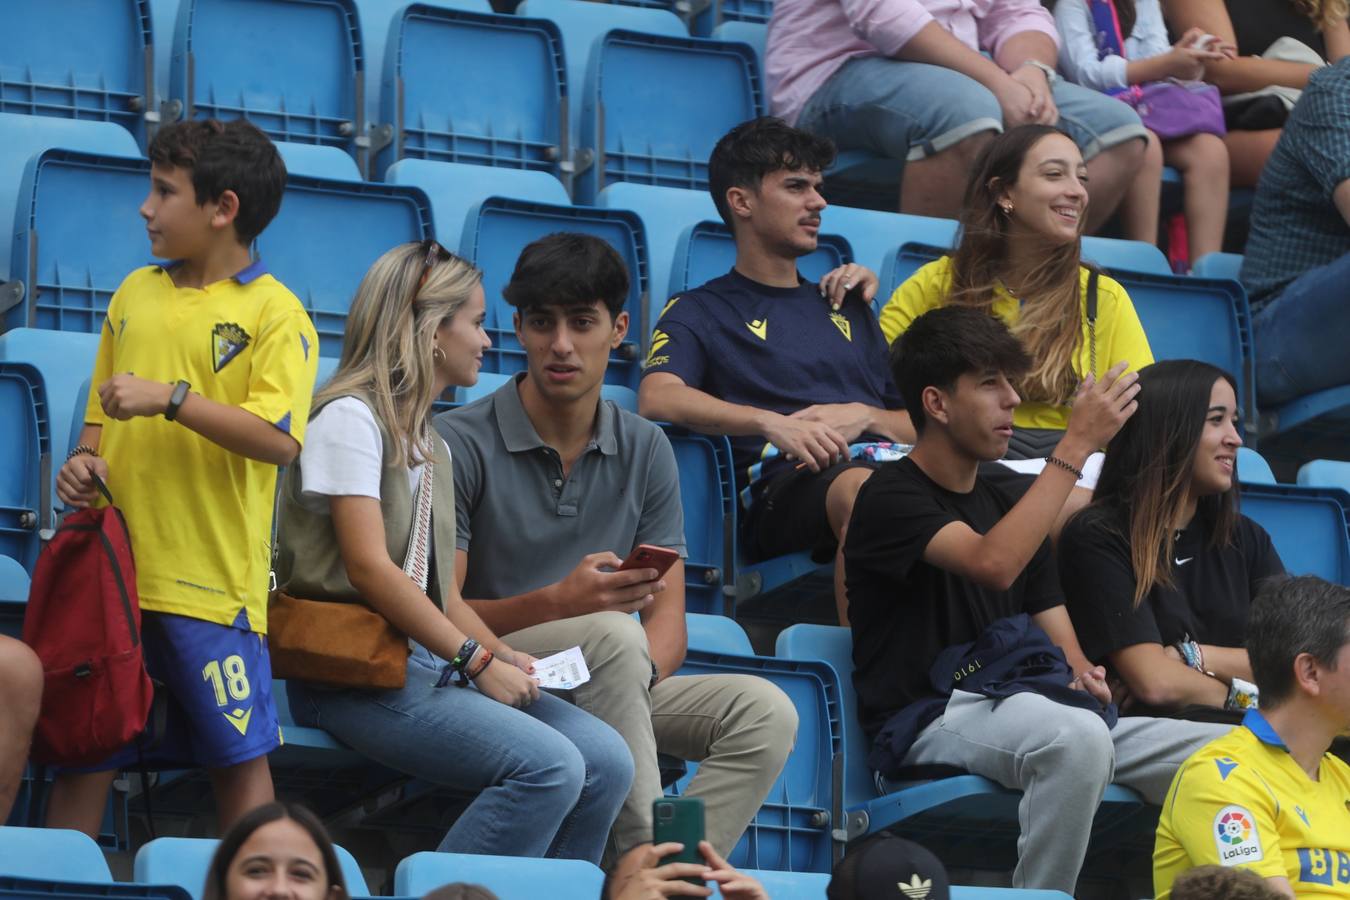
(1062, 759)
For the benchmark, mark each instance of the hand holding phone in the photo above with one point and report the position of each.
(649, 556)
(679, 820)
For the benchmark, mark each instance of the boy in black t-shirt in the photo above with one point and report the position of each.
(800, 386)
(936, 553)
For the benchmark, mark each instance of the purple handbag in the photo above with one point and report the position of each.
(1174, 109)
(1170, 109)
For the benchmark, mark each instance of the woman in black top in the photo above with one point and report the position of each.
(1159, 571)
(1252, 25)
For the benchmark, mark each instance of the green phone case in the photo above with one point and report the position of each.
(679, 819)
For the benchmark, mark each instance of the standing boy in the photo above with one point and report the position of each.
(201, 388)
(937, 554)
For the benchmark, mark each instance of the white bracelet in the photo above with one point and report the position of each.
(1051, 76)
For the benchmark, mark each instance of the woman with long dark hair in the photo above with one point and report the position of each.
(1019, 257)
(1159, 571)
(275, 850)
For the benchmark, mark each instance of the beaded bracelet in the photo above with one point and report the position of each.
(1056, 461)
(79, 450)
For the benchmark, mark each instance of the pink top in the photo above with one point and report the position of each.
(810, 39)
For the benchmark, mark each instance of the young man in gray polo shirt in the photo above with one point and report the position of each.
(553, 488)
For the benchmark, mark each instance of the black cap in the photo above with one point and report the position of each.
(887, 867)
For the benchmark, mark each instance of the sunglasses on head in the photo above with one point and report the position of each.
(434, 253)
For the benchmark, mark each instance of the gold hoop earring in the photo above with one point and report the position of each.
(437, 355)
(1007, 210)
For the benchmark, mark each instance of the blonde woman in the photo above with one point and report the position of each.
(1019, 258)
(548, 778)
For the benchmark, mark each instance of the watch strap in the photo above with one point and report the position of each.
(180, 392)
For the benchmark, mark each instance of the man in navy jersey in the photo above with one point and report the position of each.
(802, 388)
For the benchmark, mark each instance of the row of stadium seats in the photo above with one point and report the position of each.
(567, 87)
(62, 864)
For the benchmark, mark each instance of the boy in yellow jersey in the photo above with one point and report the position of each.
(1269, 797)
(201, 388)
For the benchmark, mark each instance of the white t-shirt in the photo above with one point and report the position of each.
(342, 456)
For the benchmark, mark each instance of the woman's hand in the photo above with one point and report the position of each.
(518, 658)
(838, 282)
(1188, 56)
(507, 684)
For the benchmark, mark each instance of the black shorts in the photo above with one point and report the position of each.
(789, 514)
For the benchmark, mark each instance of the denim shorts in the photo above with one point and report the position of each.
(909, 110)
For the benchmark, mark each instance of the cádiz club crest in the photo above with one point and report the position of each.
(228, 340)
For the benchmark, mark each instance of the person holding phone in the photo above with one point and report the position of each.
(553, 488)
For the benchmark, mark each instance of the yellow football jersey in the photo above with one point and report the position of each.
(1242, 800)
(200, 516)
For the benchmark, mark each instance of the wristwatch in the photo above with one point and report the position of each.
(180, 392)
(1051, 76)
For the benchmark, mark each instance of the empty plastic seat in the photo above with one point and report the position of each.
(874, 235)
(706, 250)
(505, 876)
(46, 889)
(52, 853)
(643, 131)
(717, 634)
(708, 500)
(63, 363)
(294, 68)
(327, 235)
(318, 161)
(185, 861)
(454, 189)
(78, 60)
(1253, 468)
(1218, 265)
(25, 454)
(476, 88)
(791, 830)
(726, 11)
(1323, 473)
(753, 33)
(495, 232)
(1308, 525)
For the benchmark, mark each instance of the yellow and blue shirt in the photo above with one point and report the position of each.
(200, 516)
(774, 348)
(1120, 336)
(1243, 800)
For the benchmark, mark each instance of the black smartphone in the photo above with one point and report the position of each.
(679, 819)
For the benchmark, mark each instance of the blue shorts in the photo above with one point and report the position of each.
(909, 110)
(217, 681)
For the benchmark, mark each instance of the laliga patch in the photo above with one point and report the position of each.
(228, 340)
(1235, 836)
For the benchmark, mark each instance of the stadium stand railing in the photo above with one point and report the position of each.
(449, 94)
(97, 65)
(226, 65)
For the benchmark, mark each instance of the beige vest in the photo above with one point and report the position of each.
(309, 563)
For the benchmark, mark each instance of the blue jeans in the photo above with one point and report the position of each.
(911, 110)
(550, 778)
(1299, 335)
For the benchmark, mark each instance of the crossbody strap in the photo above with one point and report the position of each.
(1092, 321)
(415, 564)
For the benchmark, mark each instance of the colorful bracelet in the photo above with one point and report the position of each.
(1056, 461)
(1242, 695)
(486, 658)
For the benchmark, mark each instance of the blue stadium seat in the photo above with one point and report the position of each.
(228, 61)
(706, 250)
(318, 161)
(792, 830)
(25, 137)
(455, 189)
(874, 236)
(79, 60)
(581, 23)
(755, 34)
(717, 634)
(25, 457)
(476, 88)
(47, 889)
(962, 797)
(1117, 254)
(1218, 265)
(1310, 526)
(327, 235)
(498, 228)
(185, 861)
(14, 581)
(1314, 425)
(644, 132)
(52, 853)
(1324, 473)
(64, 363)
(721, 13)
(709, 517)
(1253, 468)
(505, 876)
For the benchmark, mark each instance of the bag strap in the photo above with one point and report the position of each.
(415, 563)
(102, 488)
(1092, 320)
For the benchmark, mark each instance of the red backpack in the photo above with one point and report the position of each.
(84, 622)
